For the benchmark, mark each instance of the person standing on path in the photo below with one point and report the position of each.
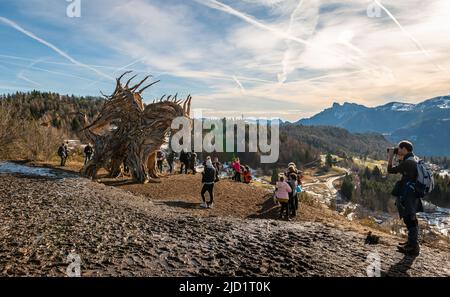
(208, 179)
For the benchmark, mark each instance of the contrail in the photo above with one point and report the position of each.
(49, 71)
(51, 46)
(214, 4)
(23, 77)
(283, 76)
(414, 40)
(228, 9)
(239, 83)
(116, 70)
(56, 63)
(342, 74)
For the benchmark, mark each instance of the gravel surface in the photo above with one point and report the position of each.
(117, 233)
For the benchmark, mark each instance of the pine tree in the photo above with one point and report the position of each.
(329, 160)
(376, 173)
(274, 178)
(367, 173)
(347, 187)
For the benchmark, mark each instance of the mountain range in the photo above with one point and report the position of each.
(426, 124)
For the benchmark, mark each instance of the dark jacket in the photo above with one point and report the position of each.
(88, 150)
(171, 157)
(62, 151)
(408, 202)
(184, 157)
(209, 175)
(407, 168)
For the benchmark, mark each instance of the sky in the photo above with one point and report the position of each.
(287, 59)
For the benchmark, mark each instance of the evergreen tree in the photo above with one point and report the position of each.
(376, 173)
(274, 178)
(367, 173)
(347, 187)
(329, 160)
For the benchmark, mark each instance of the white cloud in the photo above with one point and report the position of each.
(290, 55)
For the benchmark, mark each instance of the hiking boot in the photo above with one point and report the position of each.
(203, 205)
(409, 249)
(402, 243)
(210, 205)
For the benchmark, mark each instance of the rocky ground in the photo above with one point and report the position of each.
(129, 231)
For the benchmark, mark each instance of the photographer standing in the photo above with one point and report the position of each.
(408, 200)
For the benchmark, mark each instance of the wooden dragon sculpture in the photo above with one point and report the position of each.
(128, 132)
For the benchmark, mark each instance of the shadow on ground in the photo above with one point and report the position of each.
(182, 204)
(401, 268)
(269, 210)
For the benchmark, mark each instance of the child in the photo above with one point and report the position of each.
(247, 175)
(282, 194)
(236, 165)
(293, 199)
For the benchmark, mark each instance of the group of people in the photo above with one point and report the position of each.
(63, 153)
(288, 187)
(241, 173)
(289, 184)
(188, 161)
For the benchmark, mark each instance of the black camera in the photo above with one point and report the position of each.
(395, 149)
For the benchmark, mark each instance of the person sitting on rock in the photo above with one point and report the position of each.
(208, 179)
(282, 194)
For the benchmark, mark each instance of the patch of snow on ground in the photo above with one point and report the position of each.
(10, 167)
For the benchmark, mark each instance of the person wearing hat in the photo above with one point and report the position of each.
(282, 194)
(208, 179)
(408, 201)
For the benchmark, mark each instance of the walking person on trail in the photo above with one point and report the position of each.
(88, 152)
(62, 153)
(208, 179)
(66, 148)
(184, 161)
(193, 163)
(282, 194)
(416, 182)
(170, 159)
(218, 166)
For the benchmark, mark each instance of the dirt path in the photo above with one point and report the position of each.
(119, 233)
